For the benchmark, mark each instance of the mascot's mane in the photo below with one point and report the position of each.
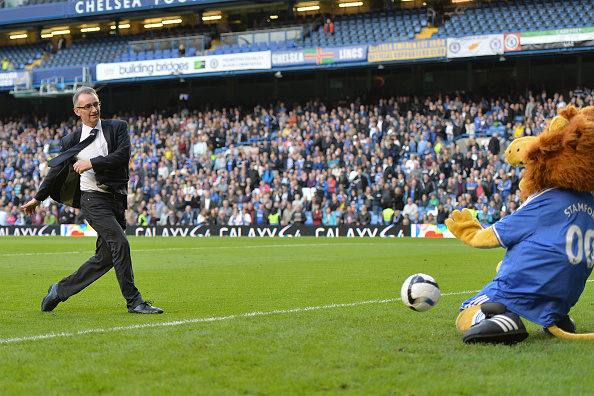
(563, 155)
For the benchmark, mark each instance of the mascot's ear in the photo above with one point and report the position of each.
(515, 155)
(557, 124)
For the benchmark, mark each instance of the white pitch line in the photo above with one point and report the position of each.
(204, 320)
(210, 247)
(179, 248)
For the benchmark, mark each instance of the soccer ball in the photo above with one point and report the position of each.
(420, 292)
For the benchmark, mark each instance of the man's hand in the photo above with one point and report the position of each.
(80, 166)
(29, 207)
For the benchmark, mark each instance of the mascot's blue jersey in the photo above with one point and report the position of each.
(549, 255)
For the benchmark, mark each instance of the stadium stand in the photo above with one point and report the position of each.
(350, 29)
(22, 55)
(359, 155)
(372, 27)
(38, 2)
(529, 15)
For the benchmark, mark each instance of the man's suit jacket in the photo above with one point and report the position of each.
(211, 204)
(62, 183)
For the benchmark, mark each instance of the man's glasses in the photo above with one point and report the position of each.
(97, 105)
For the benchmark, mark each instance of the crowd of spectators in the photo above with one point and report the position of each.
(396, 160)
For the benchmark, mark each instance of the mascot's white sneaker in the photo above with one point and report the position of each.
(499, 327)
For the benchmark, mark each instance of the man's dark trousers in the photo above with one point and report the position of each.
(105, 212)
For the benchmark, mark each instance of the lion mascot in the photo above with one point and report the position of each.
(548, 239)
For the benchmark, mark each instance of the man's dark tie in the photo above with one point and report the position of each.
(72, 151)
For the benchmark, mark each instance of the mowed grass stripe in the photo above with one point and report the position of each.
(309, 245)
(244, 320)
(211, 319)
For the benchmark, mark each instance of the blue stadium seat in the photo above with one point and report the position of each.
(308, 218)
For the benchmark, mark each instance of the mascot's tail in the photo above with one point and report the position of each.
(557, 332)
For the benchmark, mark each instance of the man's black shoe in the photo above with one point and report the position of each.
(145, 308)
(51, 300)
(504, 328)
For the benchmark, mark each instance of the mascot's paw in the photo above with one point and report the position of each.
(516, 151)
(470, 231)
(462, 224)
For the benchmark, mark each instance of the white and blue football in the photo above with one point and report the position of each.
(420, 292)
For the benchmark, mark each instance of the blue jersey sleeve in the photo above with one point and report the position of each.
(518, 226)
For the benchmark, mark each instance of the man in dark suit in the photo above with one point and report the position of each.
(206, 203)
(95, 180)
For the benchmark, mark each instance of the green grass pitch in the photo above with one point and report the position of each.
(269, 316)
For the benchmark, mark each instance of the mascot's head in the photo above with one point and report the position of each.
(561, 156)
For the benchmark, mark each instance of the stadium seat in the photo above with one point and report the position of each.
(308, 218)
